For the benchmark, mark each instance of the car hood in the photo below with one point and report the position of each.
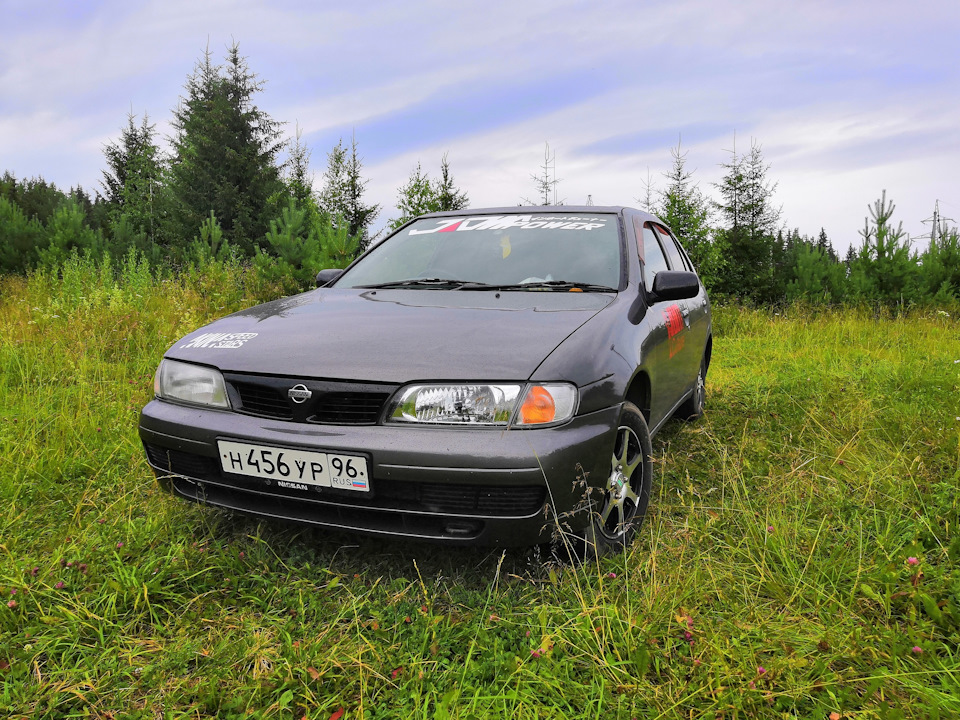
(394, 336)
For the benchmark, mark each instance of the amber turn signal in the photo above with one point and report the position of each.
(538, 407)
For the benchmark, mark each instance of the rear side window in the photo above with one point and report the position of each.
(673, 254)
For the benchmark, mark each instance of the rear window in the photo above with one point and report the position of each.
(497, 250)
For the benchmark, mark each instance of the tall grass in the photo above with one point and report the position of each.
(799, 558)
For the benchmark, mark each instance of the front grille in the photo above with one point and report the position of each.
(395, 495)
(331, 402)
(349, 408)
(264, 401)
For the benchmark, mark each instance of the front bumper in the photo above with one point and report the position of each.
(474, 486)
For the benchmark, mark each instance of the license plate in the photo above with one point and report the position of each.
(298, 469)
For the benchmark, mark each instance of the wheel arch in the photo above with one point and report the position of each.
(638, 393)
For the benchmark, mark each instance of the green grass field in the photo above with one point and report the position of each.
(799, 559)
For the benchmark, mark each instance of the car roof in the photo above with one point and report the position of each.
(528, 209)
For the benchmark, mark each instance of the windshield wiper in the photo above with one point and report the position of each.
(554, 285)
(439, 283)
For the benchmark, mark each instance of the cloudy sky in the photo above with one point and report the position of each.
(846, 97)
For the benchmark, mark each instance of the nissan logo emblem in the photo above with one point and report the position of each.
(299, 394)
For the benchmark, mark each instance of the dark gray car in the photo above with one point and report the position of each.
(483, 377)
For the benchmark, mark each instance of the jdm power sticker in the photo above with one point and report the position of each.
(521, 222)
(219, 341)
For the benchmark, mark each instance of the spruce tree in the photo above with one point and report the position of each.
(415, 197)
(750, 224)
(341, 198)
(683, 207)
(133, 181)
(448, 195)
(225, 153)
(420, 194)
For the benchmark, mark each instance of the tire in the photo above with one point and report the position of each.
(626, 492)
(692, 408)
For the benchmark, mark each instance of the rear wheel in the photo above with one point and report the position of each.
(626, 493)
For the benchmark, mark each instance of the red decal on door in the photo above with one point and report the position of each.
(674, 320)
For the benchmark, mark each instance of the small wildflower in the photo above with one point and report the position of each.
(408, 619)
(494, 617)
(119, 544)
(912, 561)
(11, 604)
(769, 528)
(761, 670)
(242, 555)
(536, 653)
(688, 635)
(34, 571)
(59, 585)
(395, 672)
(528, 633)
(70, 563)
(696, 662)
(752, 684)
(916, 650)
(100, 521)
(689, 622)
(13, 591)
(834, 715)
(612, 576)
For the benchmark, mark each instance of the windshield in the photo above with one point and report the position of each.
(532, 250)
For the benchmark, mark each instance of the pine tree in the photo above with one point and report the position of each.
(885, 269)
(20, 237)
(940, 266)
(225, 153)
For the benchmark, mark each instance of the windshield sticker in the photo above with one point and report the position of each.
(521, 222)
(219, 341)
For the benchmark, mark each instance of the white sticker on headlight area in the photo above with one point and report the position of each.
(219, 341)
(521, 222)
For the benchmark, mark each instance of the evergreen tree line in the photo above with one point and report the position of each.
(742, 250)
(229, 188)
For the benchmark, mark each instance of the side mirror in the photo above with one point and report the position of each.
(675, 285)
(325, 277)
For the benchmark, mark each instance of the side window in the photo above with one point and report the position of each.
(673, 254)
(653, 259)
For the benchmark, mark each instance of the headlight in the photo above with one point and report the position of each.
(483, 404)
(187, 383)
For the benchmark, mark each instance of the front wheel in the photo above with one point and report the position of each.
(626, 493)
